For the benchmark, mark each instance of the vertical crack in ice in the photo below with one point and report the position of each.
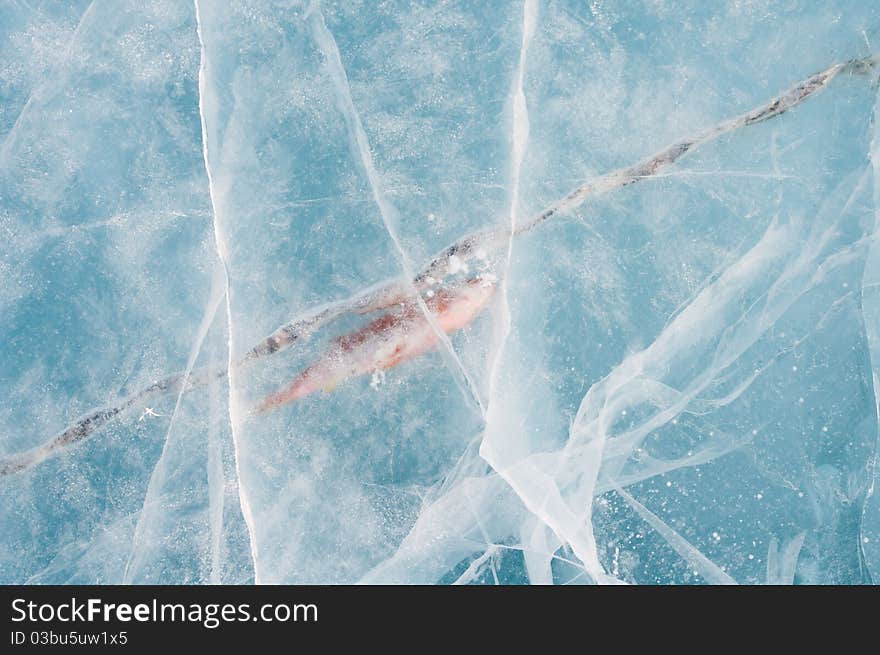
(518, 142)
(688, 552)
(152, 500)
(361, 147)
(872, 268)
(537, 490)
(222, 254)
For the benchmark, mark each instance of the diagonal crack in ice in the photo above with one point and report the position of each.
(9, 139)
(152, 500)
(361, 146)
(713, 573)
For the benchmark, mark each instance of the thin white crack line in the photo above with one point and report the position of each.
(246, 512)
(703, 566)
(9, 138)
(873, 248)
(134, 557)
(519, 141)
(330, 50)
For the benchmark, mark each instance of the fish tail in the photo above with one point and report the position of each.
(297, 390)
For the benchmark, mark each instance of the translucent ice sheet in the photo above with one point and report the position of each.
(636, 240)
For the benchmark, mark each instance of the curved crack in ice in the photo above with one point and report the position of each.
(704, 316)
(495, 434)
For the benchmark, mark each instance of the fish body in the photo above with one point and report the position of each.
(388, 340)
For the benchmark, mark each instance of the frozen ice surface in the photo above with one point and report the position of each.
(676, 380)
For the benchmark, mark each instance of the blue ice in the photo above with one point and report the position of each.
(676, 205)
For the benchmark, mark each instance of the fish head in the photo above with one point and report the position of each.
(462, 304)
